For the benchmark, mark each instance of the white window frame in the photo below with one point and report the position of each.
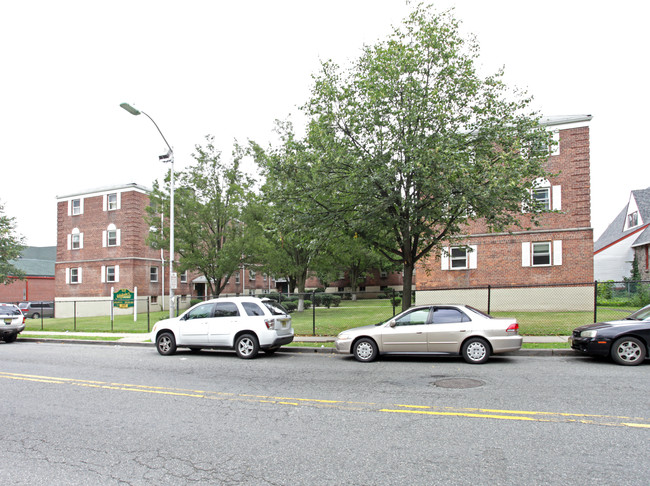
(106, 236)
(470, 258)
(79, 209)
(527, 253)
(251, 275)
(73, 276)
(112, 201)
(75, 237)
(116, 273)
(153, 274)
(184, 277)
(554, 193)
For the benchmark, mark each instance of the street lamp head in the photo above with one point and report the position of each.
(130, 109)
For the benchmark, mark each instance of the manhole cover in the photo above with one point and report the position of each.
(458, 383)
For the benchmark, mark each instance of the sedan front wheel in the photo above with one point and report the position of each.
(628, 351)
(365, 350)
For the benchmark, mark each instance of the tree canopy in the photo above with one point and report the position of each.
(411, 144)
(11, 245)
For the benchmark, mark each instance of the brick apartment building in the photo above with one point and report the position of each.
(101, 246)
(559, 251)
(37, 284)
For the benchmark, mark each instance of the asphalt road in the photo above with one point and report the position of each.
(106, 414)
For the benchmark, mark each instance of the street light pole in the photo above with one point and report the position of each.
(168, 157)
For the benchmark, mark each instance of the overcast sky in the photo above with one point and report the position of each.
(229, 69)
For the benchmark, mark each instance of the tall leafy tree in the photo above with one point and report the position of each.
(209, 201)
(294, 243)
(11, 245)
(413, 143)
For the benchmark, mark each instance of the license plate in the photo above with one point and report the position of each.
(8, 321)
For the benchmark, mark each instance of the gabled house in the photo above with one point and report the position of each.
(557, 252)
(628, 235)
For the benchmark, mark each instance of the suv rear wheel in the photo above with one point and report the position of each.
(247, 346)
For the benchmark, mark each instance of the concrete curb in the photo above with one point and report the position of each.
(294, 349)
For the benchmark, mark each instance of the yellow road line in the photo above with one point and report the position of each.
(485, 413)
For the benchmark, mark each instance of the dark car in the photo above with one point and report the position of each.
(37, 309)
(626, 341)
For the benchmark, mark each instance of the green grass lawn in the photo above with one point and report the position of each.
(329, 322)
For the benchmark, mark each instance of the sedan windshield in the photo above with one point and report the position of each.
(641, 314)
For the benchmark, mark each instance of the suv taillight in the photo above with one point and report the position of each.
(513, 328)
(270, 323)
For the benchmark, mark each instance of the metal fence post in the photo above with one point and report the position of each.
(74, 310)
(489, 298)
(148, 316)
(313, 311)
(595, 300)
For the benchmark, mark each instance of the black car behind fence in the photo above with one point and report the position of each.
(540, 309)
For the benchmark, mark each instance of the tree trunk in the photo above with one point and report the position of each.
(408, 285)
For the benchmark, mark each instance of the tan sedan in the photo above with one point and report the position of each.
(434, 329)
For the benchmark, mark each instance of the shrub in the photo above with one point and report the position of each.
(290, 305)
(193, 302)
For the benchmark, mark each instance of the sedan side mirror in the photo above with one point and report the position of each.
(392, 323)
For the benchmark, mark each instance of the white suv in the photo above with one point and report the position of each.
(245, 324)
(12, 322)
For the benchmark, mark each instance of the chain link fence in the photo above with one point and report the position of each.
(540, 310)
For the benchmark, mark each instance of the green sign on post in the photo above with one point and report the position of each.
(123, 299)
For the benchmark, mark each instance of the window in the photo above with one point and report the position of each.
(252, 309)
(112, 201)
(73, 275)
(154, 299)
(110, 273)
(202, 311)
(225, 309)
(184, 277)
(76, 207)
(445, 315)
(111, 236)
(541, 253)
(542, 196)
(459, 258)
(75, 240)
(237, 278)
(383, 274)
(251, 275)
(153, 274)
(633, 219)
(414, 318)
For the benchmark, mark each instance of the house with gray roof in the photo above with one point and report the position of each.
(626, 237)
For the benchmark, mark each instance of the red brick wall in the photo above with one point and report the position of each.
(31, 288)
(499, 256)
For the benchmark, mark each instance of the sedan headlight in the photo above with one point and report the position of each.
(344, 336)
(588, 334)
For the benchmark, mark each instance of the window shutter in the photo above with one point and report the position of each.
(556, 196)
(104, 238)
(67, 275)
(69, 242)
(557, 252)
(117, 273)
(105, 202)
(473, 257)
(118, 237)
(103, 277)
(70, 208)
(81, 240)
(79, 272)
(444, 258)
(556, 139)
(119, 200)
(525, 254)
(81, 205)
